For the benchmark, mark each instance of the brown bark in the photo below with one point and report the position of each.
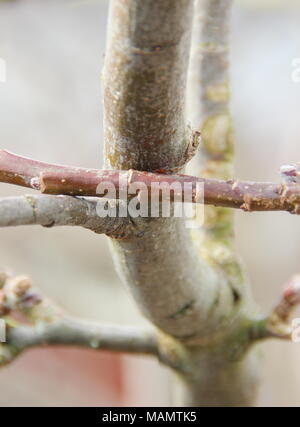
(67, 180)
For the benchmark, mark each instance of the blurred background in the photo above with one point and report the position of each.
(51, 110)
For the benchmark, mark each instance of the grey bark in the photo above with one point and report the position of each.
(186, 294)
(144, 85)
(76, 332)
(50, 211)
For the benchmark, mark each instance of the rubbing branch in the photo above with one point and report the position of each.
(278, 323)
(45, 324)
(24, 171)
(53, 179)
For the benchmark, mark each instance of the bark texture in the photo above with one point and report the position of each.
(53, 211)
(192, 288)
(144, 88)
(186, 290)
(144, 85)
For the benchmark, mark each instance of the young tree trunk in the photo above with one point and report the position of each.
(196, 295)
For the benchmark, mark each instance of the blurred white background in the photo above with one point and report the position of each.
(51, 110)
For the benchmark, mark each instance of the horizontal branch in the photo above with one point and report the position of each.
(50, 211)
(35, 321)
(68, 180)
(75, 332)
(46, 324)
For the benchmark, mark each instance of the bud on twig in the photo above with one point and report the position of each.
(290, 173)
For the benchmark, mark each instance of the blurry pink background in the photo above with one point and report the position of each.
(50, 109)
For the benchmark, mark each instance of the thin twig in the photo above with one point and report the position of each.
(76, 332)
(51, 179)
(46, 324)
(278, 323)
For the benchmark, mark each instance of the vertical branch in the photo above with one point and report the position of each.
(209, 110)
(144, 84)
(208, 107)
(145, 80)
(224, 374)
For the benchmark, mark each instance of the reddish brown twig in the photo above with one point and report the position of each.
(290, 299)
(68, 180)
(24, 171)
(278, 323)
